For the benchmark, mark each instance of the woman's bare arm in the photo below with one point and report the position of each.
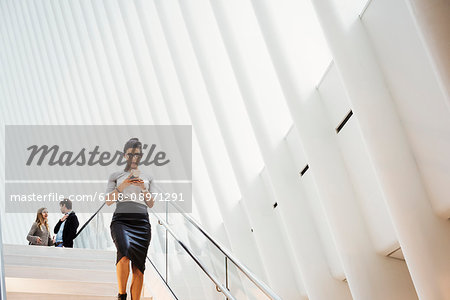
(112, 197)
(115, 192)
(149, 200)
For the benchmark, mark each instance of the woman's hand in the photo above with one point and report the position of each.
(127, 182)
(114, 195)
(38, 240)
(139, 182)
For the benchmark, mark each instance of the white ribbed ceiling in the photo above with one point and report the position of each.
(264, 85)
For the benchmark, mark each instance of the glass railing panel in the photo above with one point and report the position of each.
(216, 261)
(202, 247)
(187, 280)
(157, 250)
(181, 272)
(104, 238)
(96, 234)
(240, 286)
(86, 239)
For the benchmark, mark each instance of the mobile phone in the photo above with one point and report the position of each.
(135, 174)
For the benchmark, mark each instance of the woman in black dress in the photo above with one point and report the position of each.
(130, 226)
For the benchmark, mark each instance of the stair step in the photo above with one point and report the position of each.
(35, 272)
(76, 253)
(59, 262)
(43, 272)
(39, 296)
(64, 289)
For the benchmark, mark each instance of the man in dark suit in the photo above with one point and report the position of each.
(66, 228)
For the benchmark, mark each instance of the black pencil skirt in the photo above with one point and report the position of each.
(131, 233)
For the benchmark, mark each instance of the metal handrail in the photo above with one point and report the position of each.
(221, 289)
(162, 278)
(89, 220)
(261, 285)
(219, 286)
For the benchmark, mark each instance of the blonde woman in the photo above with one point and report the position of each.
(39, 233)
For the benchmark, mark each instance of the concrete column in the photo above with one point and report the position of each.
(387, 279)
(277, 259)
(433, 19)
(235, 218)
(424, 237)
(318, 281)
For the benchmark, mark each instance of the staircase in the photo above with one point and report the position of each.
(35, 272)
(188, 270)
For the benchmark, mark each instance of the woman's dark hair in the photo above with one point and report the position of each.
(132, 143)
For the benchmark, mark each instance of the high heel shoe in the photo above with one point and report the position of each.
(122, 296)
